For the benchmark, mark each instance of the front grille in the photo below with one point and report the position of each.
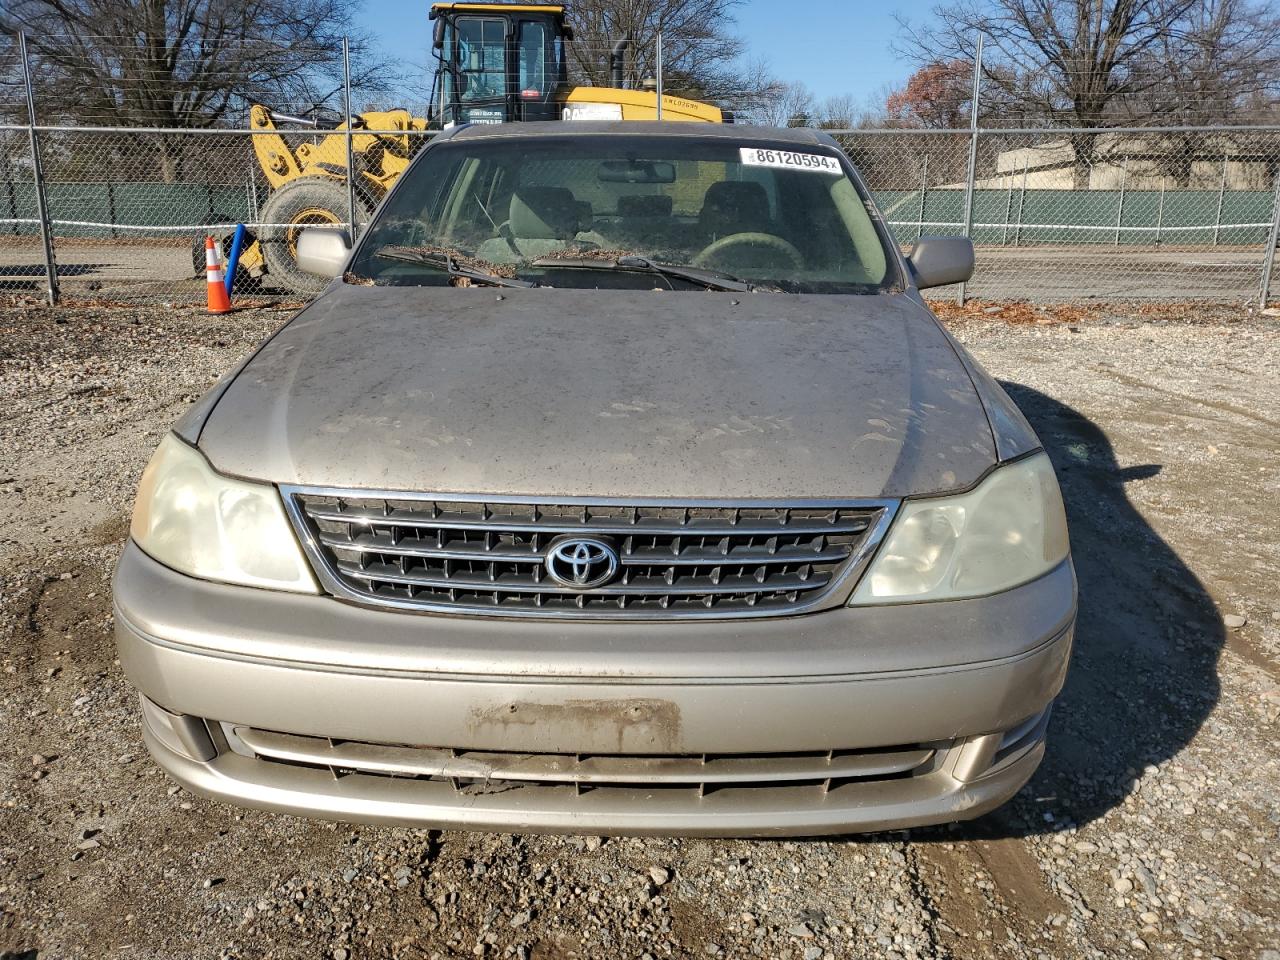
(475, 771)
(672, 560)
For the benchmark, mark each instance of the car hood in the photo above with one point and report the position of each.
(592, 393)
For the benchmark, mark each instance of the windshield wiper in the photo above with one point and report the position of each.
(711, 279)
(448, 262)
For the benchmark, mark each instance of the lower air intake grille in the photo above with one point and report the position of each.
(483, 771)
(598, 560)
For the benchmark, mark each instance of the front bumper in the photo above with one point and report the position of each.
(968, 683)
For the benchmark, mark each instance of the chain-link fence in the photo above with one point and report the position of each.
(129, 210)
(1069, 214)
(120, 213)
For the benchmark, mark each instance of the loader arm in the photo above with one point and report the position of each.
(275, 158)
(326, 155)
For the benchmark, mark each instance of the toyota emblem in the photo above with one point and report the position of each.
(581, 563)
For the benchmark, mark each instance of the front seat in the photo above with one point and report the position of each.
(541, 221)
(734, 206)
(644, 221)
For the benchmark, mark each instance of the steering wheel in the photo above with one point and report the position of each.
(774, 244)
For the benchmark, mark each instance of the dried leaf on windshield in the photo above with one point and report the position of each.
(588, 253)
(461, 259)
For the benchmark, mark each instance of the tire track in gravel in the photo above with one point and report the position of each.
(1249, 443)
(1219, 405)
(964, 911)
(921, 891)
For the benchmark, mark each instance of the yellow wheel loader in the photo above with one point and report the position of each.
(496, 63)
(308, 182)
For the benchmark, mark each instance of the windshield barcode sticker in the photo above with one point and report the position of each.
(764, 157)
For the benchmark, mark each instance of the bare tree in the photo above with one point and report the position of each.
(181, 63)
(1090, 63)
(783, 104)
(839, 112)
(1221, 64)
(1224, 67)
(1067, 61)
(700, 56)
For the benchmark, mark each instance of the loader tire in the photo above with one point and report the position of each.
(308, 201)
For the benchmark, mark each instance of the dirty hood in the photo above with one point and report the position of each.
(605, 393)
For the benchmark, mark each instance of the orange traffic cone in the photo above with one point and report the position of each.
(218, 300)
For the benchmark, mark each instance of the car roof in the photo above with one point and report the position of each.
(737, 132)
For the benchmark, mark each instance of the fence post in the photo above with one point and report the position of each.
(1160, 213)
(924, 190)
(1270, 253)
(1222, 189)
(1008, 212)
(659, 75)
(15, 228)
(351, 165)
(37, 173)
(111, 209)
(1022, 202)
(1124, 179)
(10, 174)
(973, 153)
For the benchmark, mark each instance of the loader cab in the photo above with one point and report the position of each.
(498, 62)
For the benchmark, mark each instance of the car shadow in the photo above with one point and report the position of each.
(1143, 674)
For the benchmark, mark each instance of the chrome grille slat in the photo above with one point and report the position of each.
(526, 584)
(449, 553)
(366, 543)
(749, 557)
(688, 556)
(693, 528)
(553, 768)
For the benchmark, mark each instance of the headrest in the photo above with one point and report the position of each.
(544, 213)
(645, 205)
(736, 197)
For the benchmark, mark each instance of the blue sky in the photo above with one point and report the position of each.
(833, 46)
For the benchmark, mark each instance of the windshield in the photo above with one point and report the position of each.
(605, 210)
(482, 51)
(536, 68)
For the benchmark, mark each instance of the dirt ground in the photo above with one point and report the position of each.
(1151, 828)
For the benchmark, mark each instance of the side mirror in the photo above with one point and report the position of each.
(323, 251)
(938, 261)
(437, 36)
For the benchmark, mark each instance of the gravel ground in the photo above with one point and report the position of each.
(1151, 828)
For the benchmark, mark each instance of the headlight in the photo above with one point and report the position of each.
(1008, 530)
(206, 525)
